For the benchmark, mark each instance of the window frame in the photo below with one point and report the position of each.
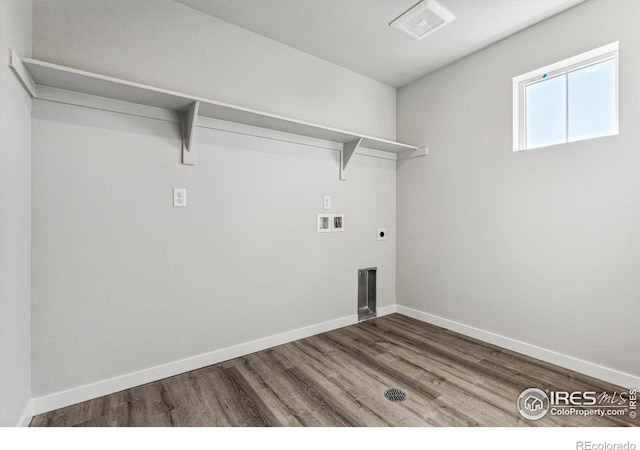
(601, 54)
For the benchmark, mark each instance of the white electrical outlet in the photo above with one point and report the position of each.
(327, 202)
(179, 197)
(382, 234)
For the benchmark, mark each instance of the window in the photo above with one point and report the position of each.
(568, 101)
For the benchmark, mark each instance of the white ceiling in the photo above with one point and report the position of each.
(355, 34)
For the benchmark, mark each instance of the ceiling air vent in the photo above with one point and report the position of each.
(423, 19)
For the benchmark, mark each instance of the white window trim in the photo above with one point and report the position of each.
(580, 61)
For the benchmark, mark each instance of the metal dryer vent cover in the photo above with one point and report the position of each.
(423, 19)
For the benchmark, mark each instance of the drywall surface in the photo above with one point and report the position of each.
(166, 44)
(123, 281)
(541, 246)
(15, 219)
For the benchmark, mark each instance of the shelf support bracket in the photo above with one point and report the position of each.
(23, 74)
(189, 134)
(420, 151)
(348, 149)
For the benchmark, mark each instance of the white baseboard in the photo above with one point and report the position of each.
(613, 376)
(27, 414)
(83, 393)
(76, 395)
(386, 310)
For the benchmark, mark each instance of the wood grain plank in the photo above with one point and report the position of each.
(338, 379)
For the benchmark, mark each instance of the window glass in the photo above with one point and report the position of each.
(592, 101)
(569, 100)
(546, 112)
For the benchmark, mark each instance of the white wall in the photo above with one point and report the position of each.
(15, 219)
(540, 246)
(166, 44)
(124, 282)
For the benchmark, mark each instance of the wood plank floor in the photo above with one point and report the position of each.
(338, 379)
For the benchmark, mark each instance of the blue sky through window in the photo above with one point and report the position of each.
(546, 112)
(592, 101)
(572, 106)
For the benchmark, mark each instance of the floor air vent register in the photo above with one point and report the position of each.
(395, 395)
